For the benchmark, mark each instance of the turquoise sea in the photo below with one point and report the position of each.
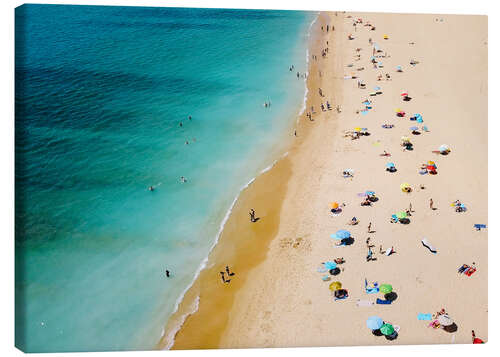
(100, 95)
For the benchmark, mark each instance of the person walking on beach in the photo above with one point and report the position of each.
(167, 273)
(370, 227)
(431, 204)
(228, 272)
(295, 132)
(222, 277)
(252, 215)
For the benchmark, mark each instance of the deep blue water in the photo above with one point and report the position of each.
(100, 95)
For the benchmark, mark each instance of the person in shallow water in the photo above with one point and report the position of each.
(167, 273)
(151, 188)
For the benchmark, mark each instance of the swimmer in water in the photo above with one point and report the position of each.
(151, 188)
(183, 179)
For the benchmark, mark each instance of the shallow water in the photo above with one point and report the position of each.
(100, 95)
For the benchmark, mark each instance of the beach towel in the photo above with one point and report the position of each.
(426, 244)
(479, 226)
(383, 302)
(470, 271)
(364, 303)
(422, 317)
(371, 288)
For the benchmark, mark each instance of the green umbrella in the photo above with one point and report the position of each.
(387, 329)
(385, 288)
(401, 215)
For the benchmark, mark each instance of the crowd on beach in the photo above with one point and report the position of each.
(379, 327)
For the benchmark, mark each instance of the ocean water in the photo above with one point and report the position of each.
(100, 95)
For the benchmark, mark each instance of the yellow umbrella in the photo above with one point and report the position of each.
(398, 110)
(430, 163)
(405, 139)
(336, 285)
(405, 187)
(386, 37)
(334, 205)
(357, 129)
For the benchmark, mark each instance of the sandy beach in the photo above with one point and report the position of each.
(277, 298)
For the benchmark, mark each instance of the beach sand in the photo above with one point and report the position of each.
(277, 298)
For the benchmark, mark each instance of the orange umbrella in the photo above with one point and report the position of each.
(334, 205)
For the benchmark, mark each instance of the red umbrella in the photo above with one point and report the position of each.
(431, 168)
(404, 94)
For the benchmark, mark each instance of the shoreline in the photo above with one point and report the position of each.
(188, 303)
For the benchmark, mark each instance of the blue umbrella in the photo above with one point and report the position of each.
(419, 120)
(330, 265)
(374, 322)
(370, 193)
(341, 234)
(390, 164)
(377, 88)
(414, 128)
(418, 116)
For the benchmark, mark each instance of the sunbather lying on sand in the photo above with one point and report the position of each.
(385, 154)
(353, 221)
(339, 260)
(387, 251)
(366, 202)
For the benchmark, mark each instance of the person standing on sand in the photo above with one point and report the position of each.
(431, 204)
(370, 227)
(222, 276)
(410, 208)
(228, 272)
(295, 132)
(252, 215)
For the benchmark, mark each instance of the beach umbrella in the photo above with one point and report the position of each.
(431, 163)
(431, 167)
(385, 288)
(420, 120)
(413, 128)
(390, 164)
(404, 94)
(336, 285)
(376, 88)
(374, 322)
(444, 148)
(405, 139)
(418, 116)
(341, 234)
(404, 186)
(398, 110)
(387, 329)
(386, 37)
(334, 205)
(330, 265)
(398, 68)
(358, 129)
(445, 320)
(401, 215)
(370, 193)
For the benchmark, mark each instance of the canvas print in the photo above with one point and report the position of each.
(192, 178)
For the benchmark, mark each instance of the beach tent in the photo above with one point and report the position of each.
(387, 329)
(336, 285)
(385, 288)
(334, 205)
(374, 322)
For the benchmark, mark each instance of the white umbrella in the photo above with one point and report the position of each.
(445, 320)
